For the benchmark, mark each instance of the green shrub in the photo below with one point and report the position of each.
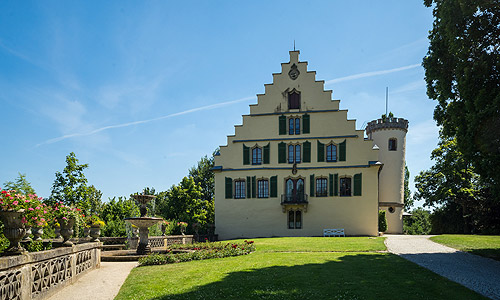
(382, 221)
(418, 223)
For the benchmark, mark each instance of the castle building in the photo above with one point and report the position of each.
(297, 165)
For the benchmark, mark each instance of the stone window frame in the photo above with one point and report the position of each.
(394, 145)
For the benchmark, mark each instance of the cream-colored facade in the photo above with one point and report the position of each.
(297, 165)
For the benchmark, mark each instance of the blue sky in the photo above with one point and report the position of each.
(142, 90)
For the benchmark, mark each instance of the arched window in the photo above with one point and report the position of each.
(293, 154)
(294, 100)
(393, 144)
(331, 153)
(294, 125)
(256, 156)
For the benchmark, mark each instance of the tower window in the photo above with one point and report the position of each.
(393, 144)
(294, 100)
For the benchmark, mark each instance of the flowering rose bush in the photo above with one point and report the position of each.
(36, 213)
(11, 200)
(64, 213)
(201, 251)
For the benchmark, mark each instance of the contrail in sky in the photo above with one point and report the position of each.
(207, 107)
(212, 106)
(370, 74)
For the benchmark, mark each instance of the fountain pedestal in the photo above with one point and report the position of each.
(143, 223)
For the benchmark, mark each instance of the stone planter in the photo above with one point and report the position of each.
(57, 232)
(13, 230)
(26, 237)
(37, 233)
(95, 232)
(66, 231)
(86, 232)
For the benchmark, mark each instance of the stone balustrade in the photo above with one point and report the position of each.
(38, 275)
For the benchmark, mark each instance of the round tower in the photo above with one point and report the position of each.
(390, 136)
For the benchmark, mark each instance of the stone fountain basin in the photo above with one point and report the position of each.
(143, 222)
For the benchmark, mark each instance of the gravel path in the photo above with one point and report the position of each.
(474, 272)
(99, 284)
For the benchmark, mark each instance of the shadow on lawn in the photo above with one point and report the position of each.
(353, 276)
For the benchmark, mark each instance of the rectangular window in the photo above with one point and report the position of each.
(239, 189)
(263, 188)
(393, 144)
(297, 153)
(321, 190)
(291, 149)
(291, 126)
(345, 186)
(297, 125)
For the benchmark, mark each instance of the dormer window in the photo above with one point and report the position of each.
(393, 144)
(294, 99)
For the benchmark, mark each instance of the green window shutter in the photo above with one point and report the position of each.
(311, 185)
(330, 184)
(307, 152)
(357, 184)
(335, 184)
(229, 188)
(282, 125)
(267, 152)
(274, 186)
(306, 124)
(246, 155)
(321, 152)
(249, 187)
(281, 153)
(254, 187)
(342, 150)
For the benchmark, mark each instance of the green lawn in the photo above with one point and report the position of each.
(484, 245)
(296, 268)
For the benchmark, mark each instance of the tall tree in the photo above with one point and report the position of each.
(462, 72)
(203, 176)
(408, 199)
(450, 182)
(183, 202)
(70, 187)
(21, 185)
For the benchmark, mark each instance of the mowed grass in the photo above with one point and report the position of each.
(286, 268)
(319, 244)
(483, 245)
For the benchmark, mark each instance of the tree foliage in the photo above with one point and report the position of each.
(408, 199)
(113, 214)
(418, 223)
(203, 175)
(70, 187)
(382, 221)
(457, 191)
(21, 185)
(183, 202)
(462, 72)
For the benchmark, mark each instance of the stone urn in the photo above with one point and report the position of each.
(13, 230)
(57, 232)
(37, 233)
(95, 232)
(26, 237)
(86, 232)
(66, 231)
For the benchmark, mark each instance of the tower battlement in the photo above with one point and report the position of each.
(389, 123)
